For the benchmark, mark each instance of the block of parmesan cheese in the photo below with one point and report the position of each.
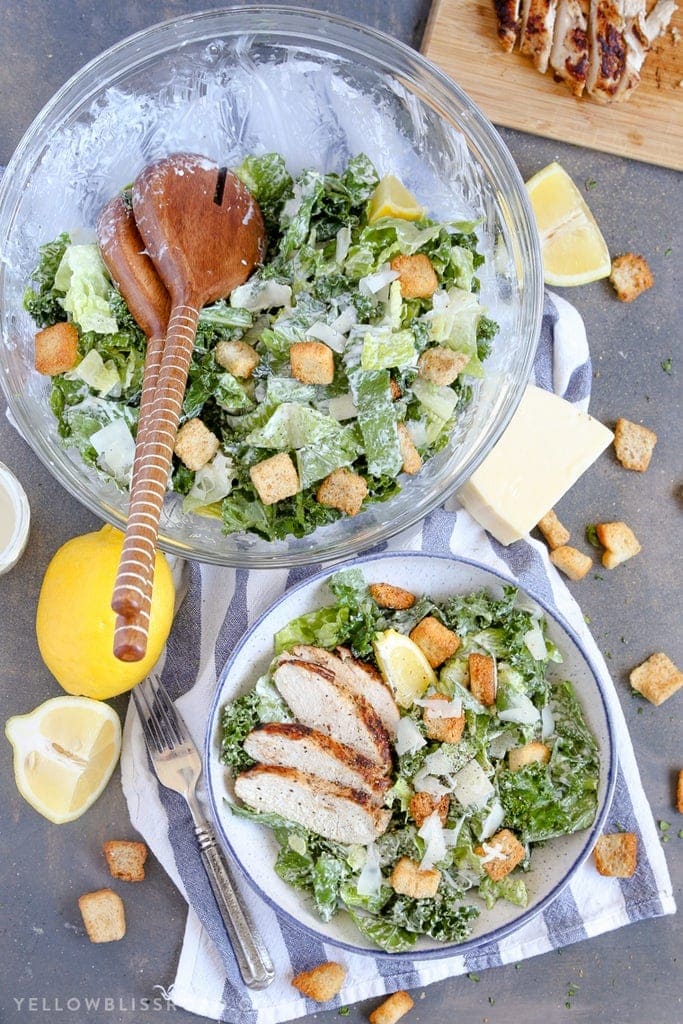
(545, 448)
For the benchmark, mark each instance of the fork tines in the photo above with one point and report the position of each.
(162, 726)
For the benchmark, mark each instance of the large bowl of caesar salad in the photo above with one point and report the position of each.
(372, 360)
(410, 754)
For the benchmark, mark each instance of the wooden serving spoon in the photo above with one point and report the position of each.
(133, 272)
(204, 232)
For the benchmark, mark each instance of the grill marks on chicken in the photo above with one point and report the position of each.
(596, 46)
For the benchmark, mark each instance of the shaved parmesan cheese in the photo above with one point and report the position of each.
(438, 763)
(346, 319)
(408, 737)
(435, 848)
(323, 332)
(343, 243)
(535, 642)
(371, 284)
(472, 787)
(441, 708)
(493, 820)
(523, 714)
(547, 723)
(370, 878)
(418, 432)
(115, 449)
(257, 294)
(342, 407)
(425, 782)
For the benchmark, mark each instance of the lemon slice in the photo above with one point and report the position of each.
(392, 199)
(64, 754)
(403, 666)
(573, 249)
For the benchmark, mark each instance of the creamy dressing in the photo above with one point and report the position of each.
(14, 519)
(8, 518)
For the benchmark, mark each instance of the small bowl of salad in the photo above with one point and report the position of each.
(371, 362)
(405, 768)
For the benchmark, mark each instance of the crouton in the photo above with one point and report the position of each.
(312, 362)
(275, 478)
(441, 365)
(436, 642)
(657, 678)
(56, 349)
(679, 793)
(126, 860)
(195, 444)
(395, 390)
(633, 445)
(556, 535)
(321, 983)
(408, 879)
(518, 757)
(422, 806)
(630, 276)
(103, 915)
(619, 541)
(388, 596)
(572, 562)
(483, 677)
(392, 1009)
(412, 460)
(344, 490)
(416, 276)
(442, 728)
(502, 853)
(237, 357)
(616, 855)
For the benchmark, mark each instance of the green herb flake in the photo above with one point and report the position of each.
(592, 535)
(666, 365)
(667, 252)
(473, 977)
(664, 826)
(343, 1011)
(590, 184)
(680, 833)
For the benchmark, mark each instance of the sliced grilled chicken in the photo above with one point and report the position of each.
(607, 47)
(569, 54)
(536, 31)
(317, 700)
(339, 813)
(292, 745)
(507, 13)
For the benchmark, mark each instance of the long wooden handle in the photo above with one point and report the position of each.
(136, 567)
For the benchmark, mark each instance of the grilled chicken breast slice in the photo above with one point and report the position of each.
(507, 13)
(607, 47)
(292, 745)
(319, 701)
(536, 32)
(339, 813)
(569, 54)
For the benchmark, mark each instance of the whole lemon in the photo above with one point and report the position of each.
(75, 622)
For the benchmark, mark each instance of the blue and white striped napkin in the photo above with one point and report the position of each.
(219, 606)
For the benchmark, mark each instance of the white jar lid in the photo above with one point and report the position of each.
(15, 518)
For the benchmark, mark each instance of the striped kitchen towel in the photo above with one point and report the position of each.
(219, 606)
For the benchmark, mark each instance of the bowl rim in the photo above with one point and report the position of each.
(496, 934)
(491, 152)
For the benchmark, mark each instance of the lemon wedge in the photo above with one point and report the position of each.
(403, 666)
(392, 199)
(64, 753)
(573, 249)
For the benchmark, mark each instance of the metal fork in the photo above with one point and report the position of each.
(177, 764)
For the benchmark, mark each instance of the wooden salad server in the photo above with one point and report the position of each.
(133, 272)
(205, 235)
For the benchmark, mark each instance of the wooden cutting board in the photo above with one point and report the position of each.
(461, 38)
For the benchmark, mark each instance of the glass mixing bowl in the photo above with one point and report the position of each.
(318, 89)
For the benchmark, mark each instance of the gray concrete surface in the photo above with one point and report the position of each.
(629, 976)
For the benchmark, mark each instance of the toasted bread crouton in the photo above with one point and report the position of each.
(56, 349)
(518, 757)
(679, 793)
(422, 806)
(619, 541)
(502, 853)
(195, 444)
(416, 276)
(321, 983)
(392, 1009)
(657, 678)
(616, 855)
(395, 390)
(125, 860)
(388, 596)
(572, 562)
(630, 276)
(312, 362)
(237, 357)
(483, 678)
(412, 460)
(408, 879)
(344, 490)
(441, 365)
(103, 915)
(633, 445)
(556, 535)
(442, 728)
(275, 478)
(436, 642)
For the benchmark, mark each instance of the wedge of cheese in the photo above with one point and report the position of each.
(546, 447)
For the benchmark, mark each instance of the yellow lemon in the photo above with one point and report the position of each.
(64, 753)
(573, 249)
(403, 666)
(392, 199)
(75, 622)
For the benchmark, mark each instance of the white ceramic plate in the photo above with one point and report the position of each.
(254, 847)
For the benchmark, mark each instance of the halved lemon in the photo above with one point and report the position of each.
(403, 666)
(64, 753)
(573, 249)
(392, 199)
